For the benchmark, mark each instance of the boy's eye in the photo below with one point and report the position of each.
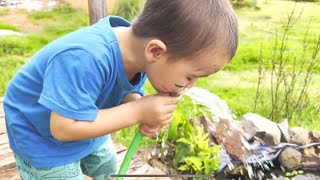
(189, 78)
(179, 86)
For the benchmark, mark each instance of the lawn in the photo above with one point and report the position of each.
(236, 84)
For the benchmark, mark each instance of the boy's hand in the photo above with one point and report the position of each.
(156, 111)
(149, 131)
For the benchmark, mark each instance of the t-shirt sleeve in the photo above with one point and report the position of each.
(139, 88)
(71, 84)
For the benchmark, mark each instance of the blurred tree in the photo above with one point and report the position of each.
(97, 10)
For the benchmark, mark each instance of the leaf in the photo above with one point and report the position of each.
(195, 162)
(187, 127)
(184, 168)
(184, 140)
(173, 129)
(181, 151)
(178, 117)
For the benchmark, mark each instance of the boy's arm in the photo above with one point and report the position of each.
(107, 121)
(152, 110)
(131, 97)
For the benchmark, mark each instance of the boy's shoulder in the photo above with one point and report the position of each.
(99, 39)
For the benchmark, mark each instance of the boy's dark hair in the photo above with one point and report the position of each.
(189, 26)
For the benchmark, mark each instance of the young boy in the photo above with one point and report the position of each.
(62, 105)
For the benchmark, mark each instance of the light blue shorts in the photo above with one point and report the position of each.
(98, 165)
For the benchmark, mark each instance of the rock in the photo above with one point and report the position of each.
(299, 136)
(317, 150)
(311, 163)
(238, 170)
(284, 128)
(315, 136)
(256, 125)
(290, 158)
(310, 151)
(266, 138)
(208, 127)
(230, 137)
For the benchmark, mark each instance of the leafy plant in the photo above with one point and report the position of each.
(185, 142)
(194, 154)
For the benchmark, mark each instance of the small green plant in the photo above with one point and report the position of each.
(293, 173)
(194, 154)
(185, 142)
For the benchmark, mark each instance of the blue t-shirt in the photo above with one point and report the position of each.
(75, 76)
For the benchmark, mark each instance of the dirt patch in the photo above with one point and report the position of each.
(10, 174)
(21, 21)
(150, 156)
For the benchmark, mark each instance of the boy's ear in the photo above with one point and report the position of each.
(155, 50)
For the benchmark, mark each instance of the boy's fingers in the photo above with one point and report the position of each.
(147, 131)
(172, 100)
(167, 119)
(170, 108)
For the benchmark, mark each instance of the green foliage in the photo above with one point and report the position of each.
(59, 21)
(41, 15)
(127, 9)
(8, 26)
(15, 50)
(260, 26)
(291, 74)
(63, 9)
(8, 67)
(194, 154)
(189, 141)
(14, 45)
(293, 173)
(125, 136)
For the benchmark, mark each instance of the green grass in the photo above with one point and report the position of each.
(8, 67)
(8, 26)
(259, 27)
(16, 50)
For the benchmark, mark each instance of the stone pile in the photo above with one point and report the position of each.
(297, 148)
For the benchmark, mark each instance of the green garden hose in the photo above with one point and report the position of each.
(132, 150)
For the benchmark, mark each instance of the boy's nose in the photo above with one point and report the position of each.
(190, 84)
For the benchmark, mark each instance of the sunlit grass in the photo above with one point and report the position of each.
(259, 26)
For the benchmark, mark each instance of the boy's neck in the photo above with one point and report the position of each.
(132, 51)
